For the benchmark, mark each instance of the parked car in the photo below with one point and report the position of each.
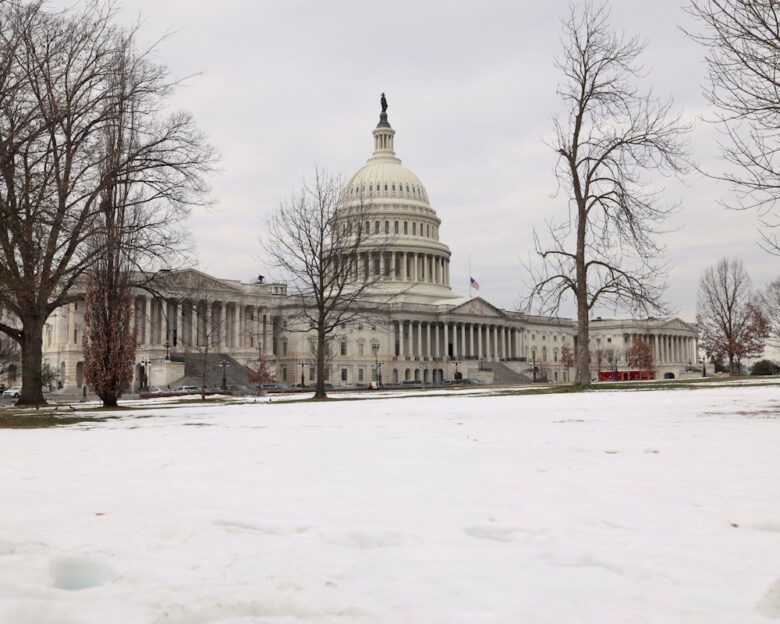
(188, 389)
(13, 392)
(472, 382)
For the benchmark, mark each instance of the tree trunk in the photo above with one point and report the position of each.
(32, 345)
(583, 338)
(320, 391)
(583, 345)
(203, 369)
(731, 364)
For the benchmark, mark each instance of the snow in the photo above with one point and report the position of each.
(636, 507)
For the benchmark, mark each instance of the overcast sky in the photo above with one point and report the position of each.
(287, 86)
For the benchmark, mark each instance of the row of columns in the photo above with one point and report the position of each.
(670, 348)
(403, 266)
(451, 339)
(188, 323)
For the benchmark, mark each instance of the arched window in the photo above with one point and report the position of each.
(414, 229)
(396, 227)
(544, 354)
(343, 345)
(406, 227)
(387, 227)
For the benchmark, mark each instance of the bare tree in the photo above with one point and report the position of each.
(731, 323)
(261, 373)
(770, 300)
(611, 135)
(613, 356)
(69, 81)
(322, 242)
(9, 354)
(640, 356)
(567, 356)
(743, 61)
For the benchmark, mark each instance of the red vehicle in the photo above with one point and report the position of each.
(633, 375)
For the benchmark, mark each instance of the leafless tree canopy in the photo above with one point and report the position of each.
(731, 323)
(82, 127)
(743, 61)
(771, 305)
(319, 244)
(610, 137)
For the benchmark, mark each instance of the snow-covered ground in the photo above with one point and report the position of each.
(645, 506)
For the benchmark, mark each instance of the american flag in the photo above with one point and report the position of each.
(474, 283)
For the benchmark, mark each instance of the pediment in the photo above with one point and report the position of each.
(194, 280)
(477, 307)
(677, 324)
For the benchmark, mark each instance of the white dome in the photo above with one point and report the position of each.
(408, 256)
(386, 177)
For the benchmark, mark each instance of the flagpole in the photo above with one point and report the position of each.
(469, 275)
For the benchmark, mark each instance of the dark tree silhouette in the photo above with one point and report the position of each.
(731, 323)
(611, 135)
(82, 112)
(318, 242)
(742, 38)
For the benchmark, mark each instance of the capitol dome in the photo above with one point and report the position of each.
(412, 259)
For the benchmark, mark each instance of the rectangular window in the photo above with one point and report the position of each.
(360, 348)
(360, 374)
(343, 374)
(387, 227)
(284, 373)
(396, 227)
(414, 229)
(284, 347)
(376, 227)
(406, 227)
(311, 373)
(374, 349)
(343, 346)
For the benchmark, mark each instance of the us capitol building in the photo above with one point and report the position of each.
(426, 333)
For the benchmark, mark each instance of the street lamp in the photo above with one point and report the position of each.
(145, 363)
(378, 368)
(302, 364)
(224, 364)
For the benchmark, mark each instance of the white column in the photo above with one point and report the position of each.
(428, 339)
(148, 321)
(419, 339)
(71, 323)
(404, 350)
(236, 326)
(179, 324)
(446, 354)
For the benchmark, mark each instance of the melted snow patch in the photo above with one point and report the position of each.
(74, 573)
(769, 605)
